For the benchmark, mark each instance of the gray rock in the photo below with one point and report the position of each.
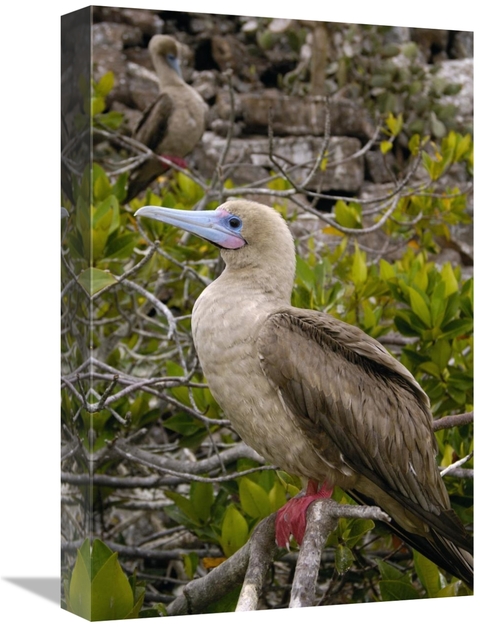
(148, 22)
(294, 115)
(248, 160)
(459, 71)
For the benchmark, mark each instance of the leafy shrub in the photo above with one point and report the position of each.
(136, 409)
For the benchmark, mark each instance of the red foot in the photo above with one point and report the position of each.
(179, 161)
(291, 518)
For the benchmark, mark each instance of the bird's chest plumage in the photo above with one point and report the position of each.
(186, 123)
(225, 332)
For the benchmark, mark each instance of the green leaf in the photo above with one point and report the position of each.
(395, 585)
(421, 279)
(385, 147)
(463, 146)
(419, 306)
(94, 280)
(356, 529)
(449, 278)
(437, 127)
(410, 50)
(359, 270)
(291, 484)
(414, 144)
(451, 590)
(234, 531)
(305, 274)
(452, 89)
(183, 423)
(456, 328)
(254, 499)
(394, 124)
(112, 119)
(102, 189)
(438, 304)
(441, 353)
(433, 167)
(99, 589)
(112, 596)
(431, 368)
(119, 189)
(461, 380)
(105, 84)
(388, 571)
(202, 497)
(277, 496)
(121, 247)
(428, 573)
(139, 594)
(185, 505)
(452, 307)
(107, 214)
(389, 50)
(348, 215)
(392, 590)
(370, 319)
(387, 271)
(79, 589)
(100, 555)
(97, 105)
(404, 325)
(191, 561)
(344, 558)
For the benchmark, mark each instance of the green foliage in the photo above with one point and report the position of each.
(391, 79)
(437, 310)
(234, 531)
(395, 585)
(99, 589)
(167, 405)
(228, 517)
(412, 296)
(111, 120)
(385, 76)
(398, 586)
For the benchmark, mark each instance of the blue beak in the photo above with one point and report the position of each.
(173, 61)
(219, 226)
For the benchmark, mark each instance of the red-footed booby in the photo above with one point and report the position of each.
(315, 396)
(173, 124)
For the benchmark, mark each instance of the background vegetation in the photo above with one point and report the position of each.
(153, 473)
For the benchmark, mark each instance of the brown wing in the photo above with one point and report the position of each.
(153, 126)
(151, 130)
(348, 394)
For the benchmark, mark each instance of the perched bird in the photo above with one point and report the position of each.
(174, 123)
(315, 396)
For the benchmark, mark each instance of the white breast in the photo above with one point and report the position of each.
(224, 332)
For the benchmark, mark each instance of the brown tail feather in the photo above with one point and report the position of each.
(455, 560)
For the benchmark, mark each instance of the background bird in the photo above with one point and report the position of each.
(174, 123)
(315, 396)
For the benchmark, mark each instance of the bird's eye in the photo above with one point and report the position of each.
(234, 222)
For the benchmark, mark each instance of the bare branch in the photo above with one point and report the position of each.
(457, 464)
(456, 420)
(322, 518)
(199, 593)
(262, 549)
(306, 573)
